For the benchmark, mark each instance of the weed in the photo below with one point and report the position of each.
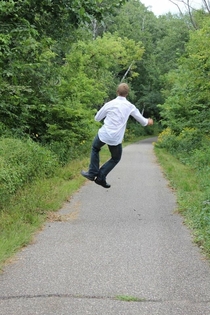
(127, 298)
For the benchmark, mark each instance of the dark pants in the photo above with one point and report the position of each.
(116, 153)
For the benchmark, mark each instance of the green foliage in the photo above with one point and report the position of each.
(190, 146)
(27, 81)
(69, 131)
(92, 67)
(87, 77)
(20, 163)
(187, 103)
(186, 111)
(188, 140)
(135, 130)
(200, 159)
(63, 13)
(163, 39)
(45, 92)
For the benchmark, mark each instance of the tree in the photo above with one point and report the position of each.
(192, 12)
(163, 39)
(88, 76)
(187, 102)
(32, 50)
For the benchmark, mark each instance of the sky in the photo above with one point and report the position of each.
(164, 6)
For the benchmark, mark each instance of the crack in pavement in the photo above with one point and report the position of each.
(114, 298)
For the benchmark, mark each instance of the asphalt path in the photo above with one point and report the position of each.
(108, 245)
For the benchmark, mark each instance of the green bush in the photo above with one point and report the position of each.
(20, 163)
(134, 129)
(186, 143)
(67, 151)
(168, 140)
(200, 159)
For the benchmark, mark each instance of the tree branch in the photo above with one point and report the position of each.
(125, 75)
(207, 5)
(187, 4)
(190, 14)
(180, 11)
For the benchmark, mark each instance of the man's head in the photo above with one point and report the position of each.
(122, 89)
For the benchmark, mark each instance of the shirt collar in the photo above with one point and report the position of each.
(121, 97)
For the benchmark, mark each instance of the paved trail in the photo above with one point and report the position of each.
(122, 241)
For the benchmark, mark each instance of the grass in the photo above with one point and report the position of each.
(28, 210)
(127, 298)
(193, 196)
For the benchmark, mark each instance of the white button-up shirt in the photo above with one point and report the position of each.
(116, 114)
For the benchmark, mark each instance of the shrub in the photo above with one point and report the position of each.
(185, 144)
(67, 151)
(20, 163)
(200, 159)
(168, 140)
(134, 129)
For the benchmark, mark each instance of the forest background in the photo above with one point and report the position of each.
(61, 60)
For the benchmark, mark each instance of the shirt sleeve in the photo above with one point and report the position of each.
(101, 114)
(139, 117)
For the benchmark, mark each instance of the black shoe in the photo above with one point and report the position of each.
(87, 175)
(102, 183)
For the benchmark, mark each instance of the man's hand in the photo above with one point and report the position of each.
(150, 122)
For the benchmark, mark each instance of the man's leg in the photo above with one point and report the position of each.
(116, 153)
(94, 159)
